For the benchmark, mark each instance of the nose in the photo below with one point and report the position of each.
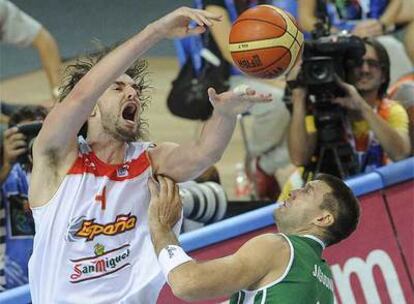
(365, 66)
(130, 92)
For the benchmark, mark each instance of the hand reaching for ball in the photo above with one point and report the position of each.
(237, 101)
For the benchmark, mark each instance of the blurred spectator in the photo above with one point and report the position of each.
(268, 141)
(403, 91)
(19, 29)
(374, 18)
(16, 223)
(375, 127)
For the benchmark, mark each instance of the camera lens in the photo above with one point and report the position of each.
(319, 72)
(203, 202)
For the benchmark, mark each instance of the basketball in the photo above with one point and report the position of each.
(265, 41)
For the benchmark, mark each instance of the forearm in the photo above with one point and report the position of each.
(202, 153)
(221, 31)
(162, 237)
(298, 142)
(390, 15)
(50, 57)
(216, 135)
(306, 14)
(395, 145)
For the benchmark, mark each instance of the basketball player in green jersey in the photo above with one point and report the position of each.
(286, 267)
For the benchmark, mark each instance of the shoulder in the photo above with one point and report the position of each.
(391, 108)
(159, 152)
(268, 245)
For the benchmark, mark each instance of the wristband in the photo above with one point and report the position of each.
(171, 257)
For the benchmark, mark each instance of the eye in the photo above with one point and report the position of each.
(118, 89)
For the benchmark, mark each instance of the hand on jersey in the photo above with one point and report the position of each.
(165, 205)
(237, 101)
(179, 22)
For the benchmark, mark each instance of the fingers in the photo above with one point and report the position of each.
(212, 96)
(15, 144)
(342, 84)
(210, 15)
(203, 18)
(16, 153)
(10, 132)
(195, 31)
(153, 188)
(170, 188)
(166, 188)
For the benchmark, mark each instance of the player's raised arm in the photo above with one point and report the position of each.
(186, 161)
(66, 119)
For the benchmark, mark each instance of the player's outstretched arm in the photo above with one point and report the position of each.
(259, 261)
(66, 119)
(187, 161)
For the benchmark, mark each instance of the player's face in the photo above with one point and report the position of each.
(119, 108)
(301, 207)
(368, 76)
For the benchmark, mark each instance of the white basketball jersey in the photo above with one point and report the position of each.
(92, 243)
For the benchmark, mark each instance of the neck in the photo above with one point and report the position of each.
(306, 232)
(371, 97)
(107, 148)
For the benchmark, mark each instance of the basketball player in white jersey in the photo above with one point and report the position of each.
(90, 197)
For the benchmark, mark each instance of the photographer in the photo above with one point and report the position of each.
(17, 222)
(376, 128)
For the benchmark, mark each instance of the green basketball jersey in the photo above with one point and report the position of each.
(307, 279)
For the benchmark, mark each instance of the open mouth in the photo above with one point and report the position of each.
(129, 112)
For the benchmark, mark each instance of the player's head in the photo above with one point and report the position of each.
(119, 108)
(372, 73)
(325, 207)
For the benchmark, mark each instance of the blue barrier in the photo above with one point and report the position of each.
(366, 183)
(225, 229)
(18, 295)
(397, 172)
(257, 219)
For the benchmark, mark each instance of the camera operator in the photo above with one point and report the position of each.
(375, 127)
(392, 21)
(16, 220)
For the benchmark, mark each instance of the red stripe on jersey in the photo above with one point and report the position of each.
(90, 163)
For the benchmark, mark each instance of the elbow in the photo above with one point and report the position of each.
(208, 159)
(185, 290)
(403, 153)
(402, 149)
(299, 161)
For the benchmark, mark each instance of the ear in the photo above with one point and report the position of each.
(93, 113)
(324, 219)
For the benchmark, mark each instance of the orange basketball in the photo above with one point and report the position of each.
(265, 41)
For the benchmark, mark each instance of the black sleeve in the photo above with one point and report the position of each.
(215, 2)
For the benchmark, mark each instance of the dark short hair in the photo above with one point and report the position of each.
(30, 113)
(384, 61)
(74, 72)
(344, 206)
